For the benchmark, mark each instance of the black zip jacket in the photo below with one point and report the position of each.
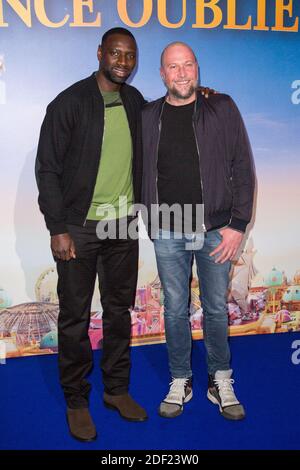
(225, 159)
(69, 151)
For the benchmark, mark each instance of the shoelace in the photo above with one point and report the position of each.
(177, 389)
(225, 388)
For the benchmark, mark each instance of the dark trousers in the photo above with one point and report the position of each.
(116, 262)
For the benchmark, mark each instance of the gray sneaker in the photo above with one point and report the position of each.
(180, 392)
(221, 393)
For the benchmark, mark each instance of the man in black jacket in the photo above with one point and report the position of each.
(83, 167)
(198, 184)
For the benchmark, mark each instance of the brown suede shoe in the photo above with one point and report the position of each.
(126, 406)
(81, 425)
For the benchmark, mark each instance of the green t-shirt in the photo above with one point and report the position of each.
(114, 178)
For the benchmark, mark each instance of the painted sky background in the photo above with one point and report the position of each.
(256, 68)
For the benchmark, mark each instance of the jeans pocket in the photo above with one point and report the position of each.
(214, 238)
(218, 234)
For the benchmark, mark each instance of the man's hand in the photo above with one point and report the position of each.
(228, 246)
(205, 91)
(63, 247)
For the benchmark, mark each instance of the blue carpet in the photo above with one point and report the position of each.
(267, 382)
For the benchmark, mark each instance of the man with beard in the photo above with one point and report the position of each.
(89, 154)
(197, 161)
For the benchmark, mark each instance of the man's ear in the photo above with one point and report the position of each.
(161, 71)
(99, 53)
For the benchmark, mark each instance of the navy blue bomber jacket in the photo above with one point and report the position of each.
(225, 159)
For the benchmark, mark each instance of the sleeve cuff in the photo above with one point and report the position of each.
(57, 229)
(238, 224)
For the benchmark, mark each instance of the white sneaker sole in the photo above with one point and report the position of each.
(214, 400)
(180, 410)
(188, 397)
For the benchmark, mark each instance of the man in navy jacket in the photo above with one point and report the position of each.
(198, 185)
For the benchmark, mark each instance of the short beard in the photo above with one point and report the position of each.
(174, 92)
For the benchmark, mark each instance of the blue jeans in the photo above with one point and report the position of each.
(174, 259)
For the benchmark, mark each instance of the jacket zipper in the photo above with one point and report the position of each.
(157, 147)
(198, 151)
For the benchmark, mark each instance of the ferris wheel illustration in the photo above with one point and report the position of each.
(45, 286)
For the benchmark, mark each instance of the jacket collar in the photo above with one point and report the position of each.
(199, 101)
(93, 85)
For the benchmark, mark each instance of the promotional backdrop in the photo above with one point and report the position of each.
(248, 49)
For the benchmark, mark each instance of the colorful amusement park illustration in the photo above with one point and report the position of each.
(256, 305)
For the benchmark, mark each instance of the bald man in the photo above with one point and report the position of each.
(198, 179)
